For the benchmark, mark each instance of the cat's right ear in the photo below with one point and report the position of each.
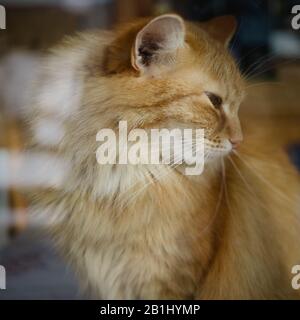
(156, 44)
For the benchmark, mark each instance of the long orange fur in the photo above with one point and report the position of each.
(143, 232)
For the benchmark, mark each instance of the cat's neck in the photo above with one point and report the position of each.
(174, 196)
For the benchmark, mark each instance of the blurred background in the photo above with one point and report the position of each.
(265, 46)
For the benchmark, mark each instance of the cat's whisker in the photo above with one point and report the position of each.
(259, 65)
(246, 183)
(242, 58)
(157, 178)
(151, 181)
(273, 165)
(132, 186)
(225, 186)
(218, 205)
(284, 63)
(265, 83)
(279, 193)
(172, 166)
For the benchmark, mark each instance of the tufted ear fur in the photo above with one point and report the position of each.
(156, 44)
(221, 28)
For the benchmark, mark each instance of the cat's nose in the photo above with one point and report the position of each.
(235, 141)
(235, 133)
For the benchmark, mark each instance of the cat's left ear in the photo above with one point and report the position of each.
(156, 44)
(221, 28)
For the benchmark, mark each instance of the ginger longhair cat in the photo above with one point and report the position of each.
(150, 231)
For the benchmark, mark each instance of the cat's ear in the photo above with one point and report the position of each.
(156, 44)
(221, 28)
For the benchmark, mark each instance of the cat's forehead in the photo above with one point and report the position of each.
(210, 65)
(211, 76)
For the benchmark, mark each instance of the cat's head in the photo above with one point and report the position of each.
(166, 72)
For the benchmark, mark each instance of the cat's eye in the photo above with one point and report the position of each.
(214, 99)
